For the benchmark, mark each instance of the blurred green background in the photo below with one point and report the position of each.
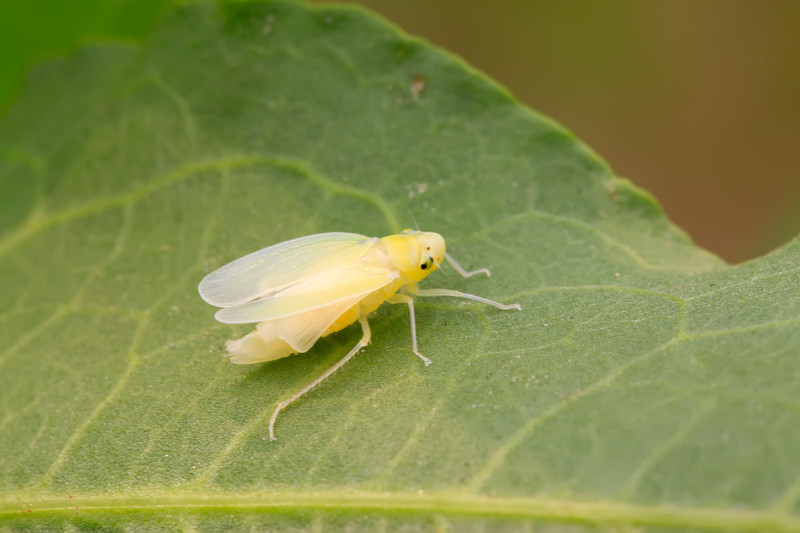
(696, 101)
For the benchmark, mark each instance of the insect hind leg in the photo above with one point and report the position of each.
(365, 340)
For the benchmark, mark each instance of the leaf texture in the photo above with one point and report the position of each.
(645, 383)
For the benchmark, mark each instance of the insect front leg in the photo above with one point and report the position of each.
(365, 340)
(464, 272)
(404, 298)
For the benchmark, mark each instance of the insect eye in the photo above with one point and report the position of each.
(427, 264)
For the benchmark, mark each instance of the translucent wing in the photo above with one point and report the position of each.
(282, 265)
(302, 330)
(351, 281)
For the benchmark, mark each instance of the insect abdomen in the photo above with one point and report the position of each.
(364, 307)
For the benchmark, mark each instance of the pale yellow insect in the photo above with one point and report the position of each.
(307, 288)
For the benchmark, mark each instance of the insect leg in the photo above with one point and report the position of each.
(461, 269)
(365, 340)
(402, 298)
(459, 294)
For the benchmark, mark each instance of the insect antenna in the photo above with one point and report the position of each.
(413, 218)
(440, 269)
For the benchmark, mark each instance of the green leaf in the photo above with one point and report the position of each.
(645, 383)
(30, 31)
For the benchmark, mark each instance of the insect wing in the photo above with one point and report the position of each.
(302, 330)
(352, 281)
(279, 266)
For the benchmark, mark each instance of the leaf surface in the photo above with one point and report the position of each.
(645, 383)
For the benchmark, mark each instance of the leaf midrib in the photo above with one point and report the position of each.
(445, 503)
